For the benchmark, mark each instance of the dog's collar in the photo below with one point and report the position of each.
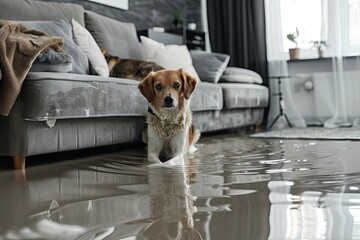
(151, 112)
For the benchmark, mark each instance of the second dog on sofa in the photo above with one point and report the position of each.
(129, 68)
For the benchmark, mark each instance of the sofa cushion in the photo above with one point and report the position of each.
(118, 38)
(209, 66)
(207, 96)
(30, 10)
(87, 43)
(170, 56)
(241, 95)
(48, 96)
(61, 96)
(63, 28)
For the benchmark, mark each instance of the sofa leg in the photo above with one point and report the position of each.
(19, 162)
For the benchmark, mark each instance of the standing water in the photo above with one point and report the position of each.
(232, 188)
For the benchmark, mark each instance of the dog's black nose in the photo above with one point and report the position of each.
(168, 100)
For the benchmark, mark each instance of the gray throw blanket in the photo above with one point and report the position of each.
(51, 61)
(19, 47)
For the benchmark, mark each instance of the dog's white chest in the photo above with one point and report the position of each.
(168, 127)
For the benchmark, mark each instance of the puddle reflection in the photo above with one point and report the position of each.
(233, 188)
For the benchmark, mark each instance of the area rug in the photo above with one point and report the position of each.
(312, 133)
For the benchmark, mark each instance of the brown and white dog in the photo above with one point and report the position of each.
(169, 119)
(129, 68)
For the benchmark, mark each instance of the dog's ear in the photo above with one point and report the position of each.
(105, 53)
(146, 87)
(189, 83)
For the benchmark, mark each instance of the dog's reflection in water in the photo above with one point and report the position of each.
(172, 206)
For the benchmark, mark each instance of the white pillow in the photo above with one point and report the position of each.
(168, 56)
(91, 49)
(240, 75)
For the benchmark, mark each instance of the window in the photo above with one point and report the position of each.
(315, 20)
(304, 15)
(353, 9)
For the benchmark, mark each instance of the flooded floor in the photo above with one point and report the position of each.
(235, 187)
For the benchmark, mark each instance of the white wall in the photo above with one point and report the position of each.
(318, 103)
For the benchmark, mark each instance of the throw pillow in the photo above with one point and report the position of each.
(87, 43)
(209, 66)
(63, 28)
(117, 38)
(168, 56)
(240, 75)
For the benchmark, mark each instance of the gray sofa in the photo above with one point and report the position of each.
(68, 111)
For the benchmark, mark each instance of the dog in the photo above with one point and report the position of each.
(169, 130)
(129, 68)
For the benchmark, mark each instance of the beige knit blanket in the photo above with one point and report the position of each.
(19, 47)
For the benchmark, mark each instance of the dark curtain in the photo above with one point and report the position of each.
(237, 28)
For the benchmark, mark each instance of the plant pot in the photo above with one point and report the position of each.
(177, 23)
(191, 26)
(294, 53)
(320, 53)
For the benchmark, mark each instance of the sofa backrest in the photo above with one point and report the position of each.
(30, 10)
(116, 37)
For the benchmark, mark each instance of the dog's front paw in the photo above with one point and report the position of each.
(192, 149)
(178, 160)
(153, 159)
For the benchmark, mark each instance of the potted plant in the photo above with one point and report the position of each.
(294, 52)
(177, 21)
(320, 46)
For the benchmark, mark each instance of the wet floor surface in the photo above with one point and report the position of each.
(234, 187)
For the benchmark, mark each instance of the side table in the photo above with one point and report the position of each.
(281, 102)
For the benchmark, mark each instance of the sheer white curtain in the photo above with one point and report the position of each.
(336, 99)
(344, 84)
(277, 60)
(335, 16)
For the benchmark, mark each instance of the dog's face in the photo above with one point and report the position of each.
(167, 88)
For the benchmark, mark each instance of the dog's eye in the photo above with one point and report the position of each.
(158, 86)
(176, 85)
